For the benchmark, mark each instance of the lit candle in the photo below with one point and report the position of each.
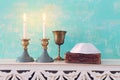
(44, 26)
(24, 27)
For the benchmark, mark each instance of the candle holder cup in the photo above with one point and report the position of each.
(59, 37)
(44, 56)
(25, 56)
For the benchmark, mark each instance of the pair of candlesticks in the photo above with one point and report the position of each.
(59, 37)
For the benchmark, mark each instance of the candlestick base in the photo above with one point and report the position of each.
(44, 57)
(25, 57)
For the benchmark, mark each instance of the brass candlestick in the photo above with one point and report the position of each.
(59, 37)
(25, 56)
(44, 56)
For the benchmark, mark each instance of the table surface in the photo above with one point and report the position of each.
(107, 62)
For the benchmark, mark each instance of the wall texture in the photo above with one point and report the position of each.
(93, 21)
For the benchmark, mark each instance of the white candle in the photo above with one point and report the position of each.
(44, 26)
(24, 27)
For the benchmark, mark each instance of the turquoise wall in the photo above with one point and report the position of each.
(93, 21)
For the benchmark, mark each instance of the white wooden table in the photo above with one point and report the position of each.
(59, 70)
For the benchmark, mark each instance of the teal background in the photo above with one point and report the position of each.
(93, 21)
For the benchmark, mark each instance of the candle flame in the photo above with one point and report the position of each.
(44, 17)
(24, 17)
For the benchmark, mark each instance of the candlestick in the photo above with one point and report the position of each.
(25, 56)
(44, 26)
(24, 27)
(44, 56)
